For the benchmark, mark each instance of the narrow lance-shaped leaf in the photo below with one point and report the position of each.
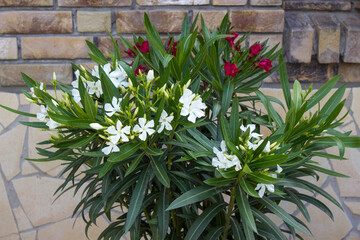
(244, 208)
(163, 215)
(284, 81)
(160, 172)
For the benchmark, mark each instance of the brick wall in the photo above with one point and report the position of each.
(42, 36)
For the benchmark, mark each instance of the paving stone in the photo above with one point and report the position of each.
(328, 229)
(257, 20)
(266, 2)
(8, 49)
(26, 3)
(65, 230)
(11, 145)
(28, 169)
(328, 37)
(23, 100)
(273, 39)
(54, 47)
(355, 107)
(1, 128)
(318, 5)
(36, 22)
(28, 235)
(171, 2)
(229, 2)
(353, 236)
(36, 196)
(164, 21)
(299, 37)
(351, 35)
(93, 21)
(21, 219)
(10, 100)
(7, 221)
(350, 72)
(94, 3)
(354, 207)
(10, 237)
(10, 74)
(349, 187)
(212, 19)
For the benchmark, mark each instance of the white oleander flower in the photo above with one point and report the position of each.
(77, 75)
(52, 124)
(95, 71)
(261, 187)
(76, 95)
(223, 160)
(119, 77)
(43, 114)
(95, 88)
(165, 121)
(252, 134)
(110, 148)
(144, 128)
(119, 133)
(254, 146)
(41, 87)
(113, 107)
(96, 126)
(192, 106)
(150, 76)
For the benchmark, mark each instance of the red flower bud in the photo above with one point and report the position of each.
(265, 64)
(130, 53)
(231, 69)
(173, 48)
(232, 39)
(144, 47)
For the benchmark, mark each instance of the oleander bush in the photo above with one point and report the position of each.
(175, 138)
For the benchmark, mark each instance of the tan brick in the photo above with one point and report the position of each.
(8, 48)
(273, 39)
(54, 47)
(212, 19)
(350, 72)
(106, 45)
(351, 30)
(36, 22)
(299, 36)
(171, 2)
(328, 36)
(317, 5)
(93, 21)
(164, 21)
(229, 2)
(94, 3)
(266, 2)
(257, 20)
(26, 3)
(10, 74)
(312, 72)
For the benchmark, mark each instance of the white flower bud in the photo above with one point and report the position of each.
(150, 76)
(96, 126)
(54, 102)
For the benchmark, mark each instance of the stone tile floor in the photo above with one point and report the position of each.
(27, 211)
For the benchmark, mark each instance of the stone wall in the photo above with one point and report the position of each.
(320, 39)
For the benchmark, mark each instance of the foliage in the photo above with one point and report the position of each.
(172, 140)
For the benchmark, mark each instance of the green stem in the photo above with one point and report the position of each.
(229, 212)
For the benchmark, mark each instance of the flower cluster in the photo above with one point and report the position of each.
(224, 160)
(193, 107)
(261, 187)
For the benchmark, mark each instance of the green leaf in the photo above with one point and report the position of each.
(228, 90)
(326, 171)
(154, 151)
(194, 195)
(294, 198)
(18, 112)
(219, 182)
(126, 151)
(95, 50)
(236, 229)
(163, 215)
(215, 233)
(203, 221)
(107, 167)
(160, 172)
(262, 178)
(269, 108)
(137, 199)
(316, 203)
(284, 81)
(134, 164)
(244, 208)
(34, 124)
(322, 92)
(77, 142)
(248, 188)
(267, 221)
(333, 101)
(281, 213)
(268, 161)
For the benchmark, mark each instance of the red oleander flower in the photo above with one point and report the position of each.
(255, 49)
(144, 47)
(232, 39)
(265, 64)
(231, 69)
(173, 48)
(130, 53)
(140, 68)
